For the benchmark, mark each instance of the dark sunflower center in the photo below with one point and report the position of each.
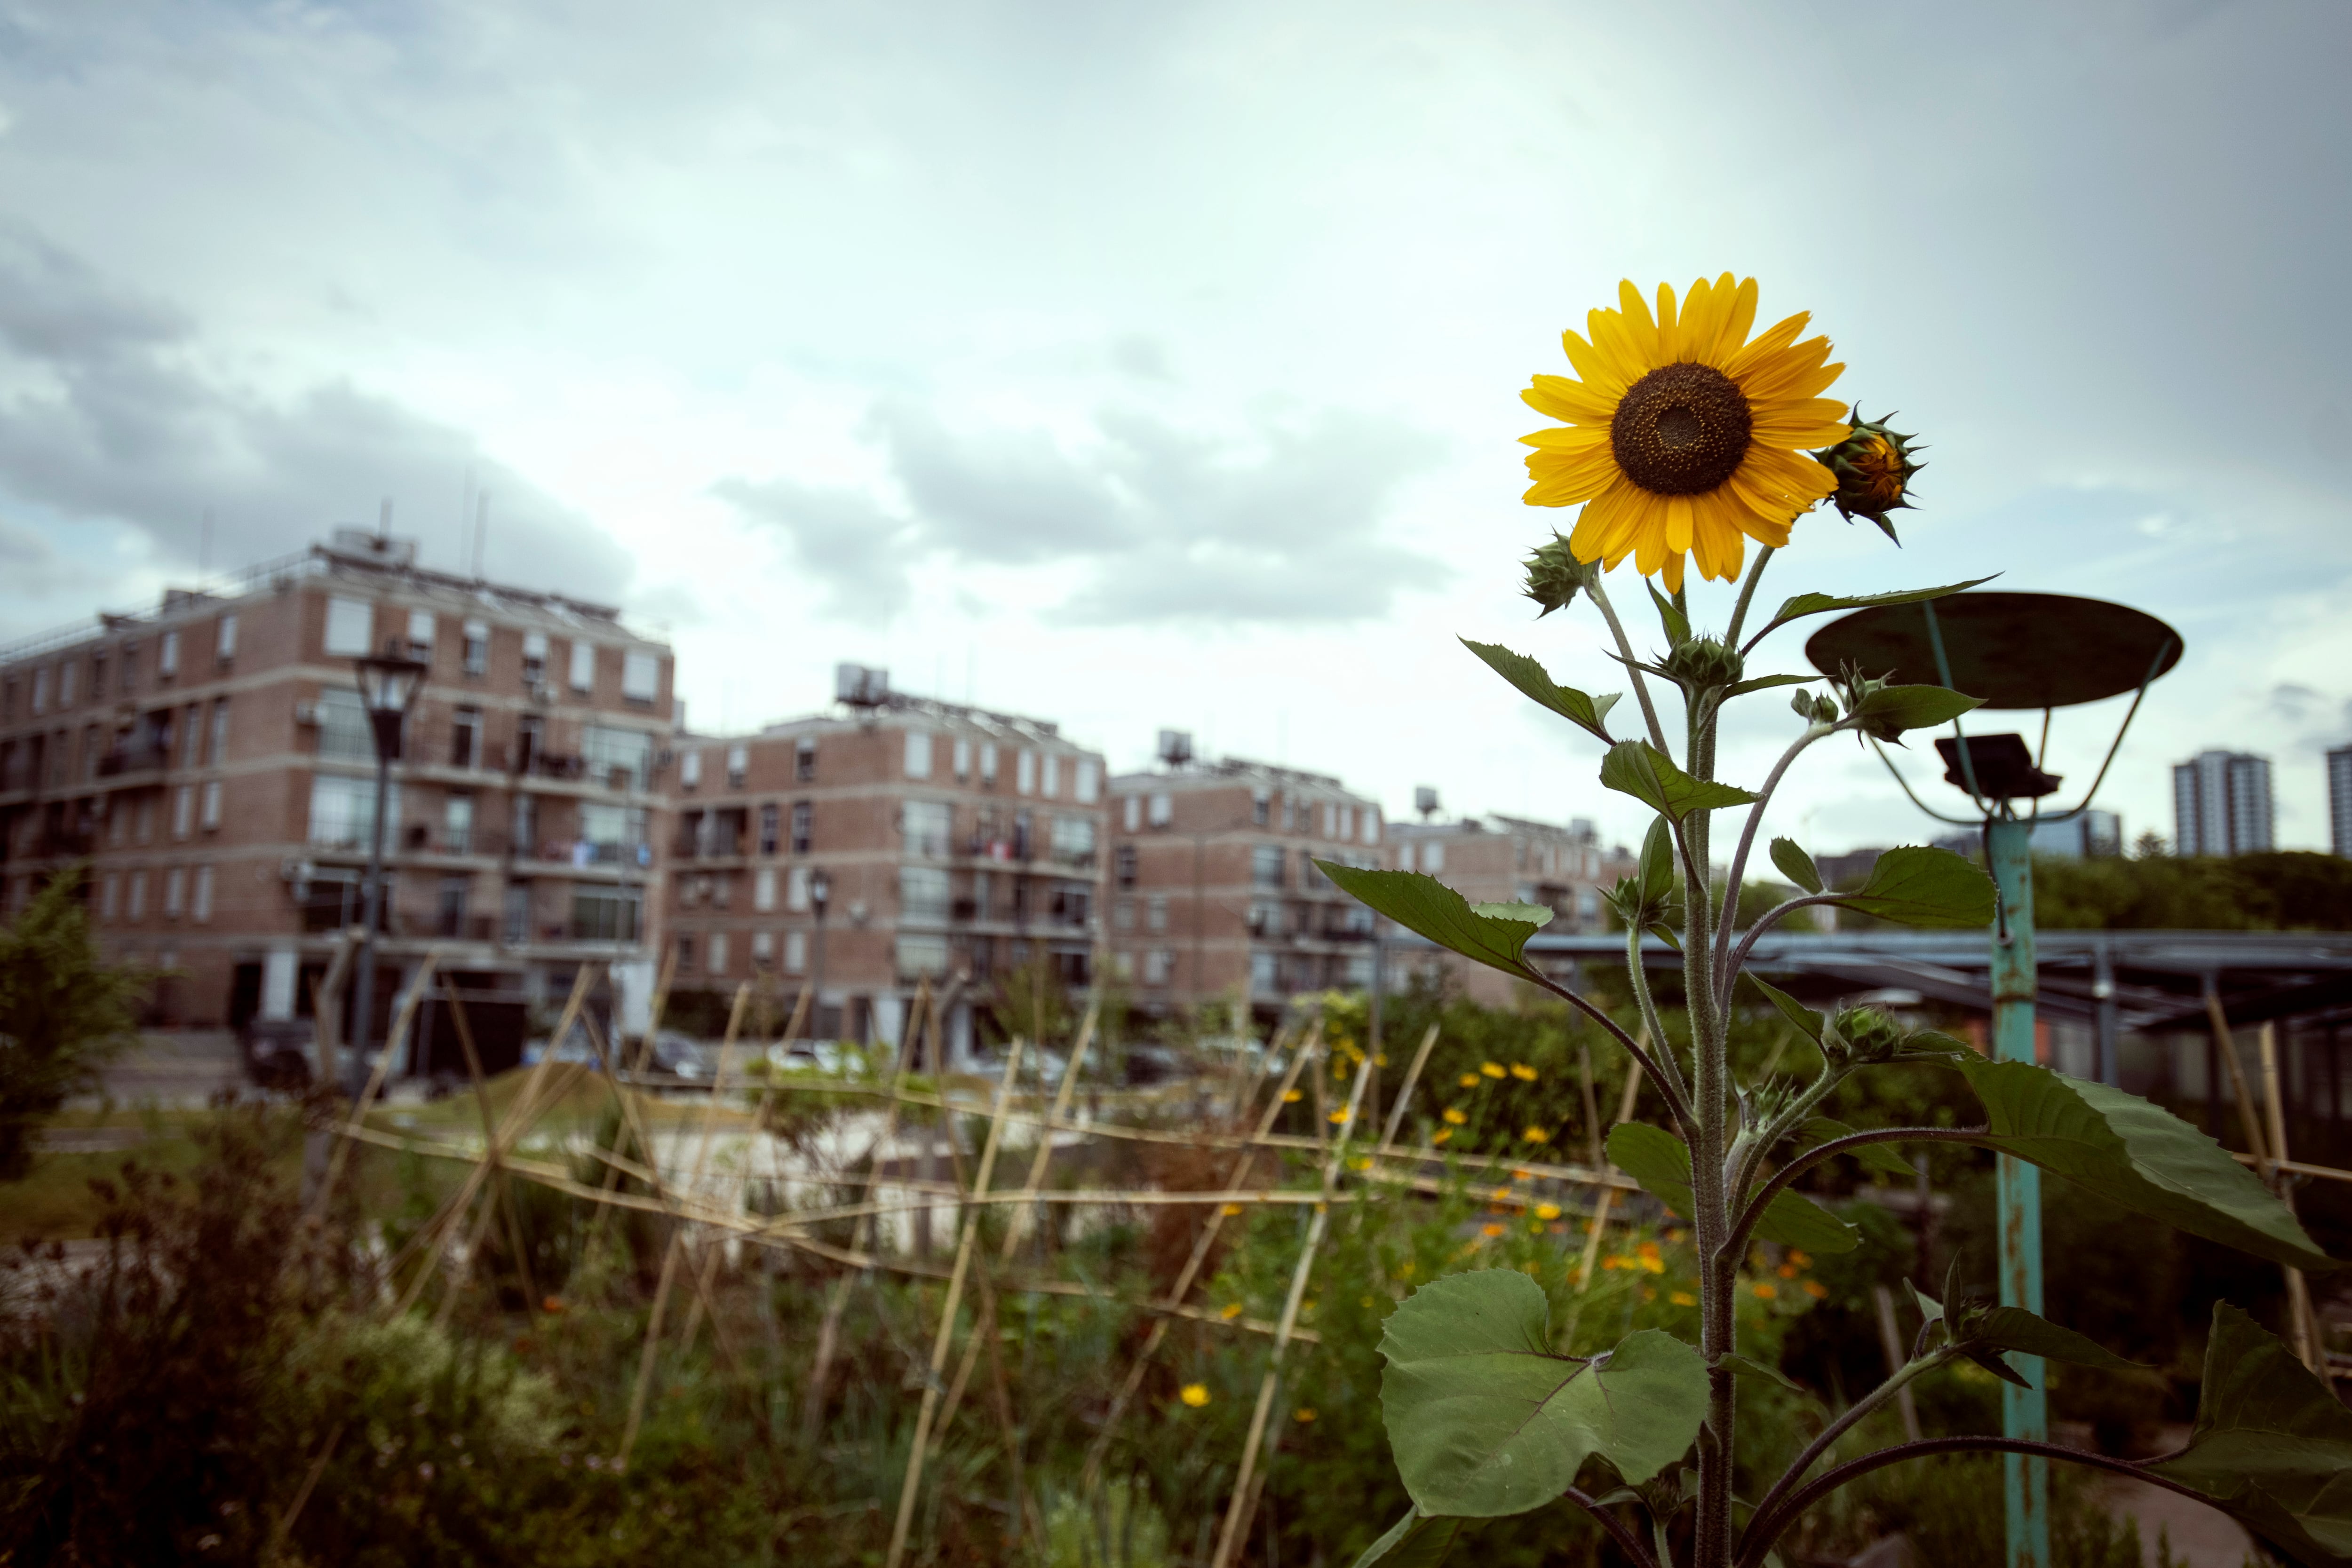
(1681, 430)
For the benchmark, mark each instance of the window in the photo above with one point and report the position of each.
(67, 670)
(962, 759)
(611, 832)
(611, 915)
(1131, 813)
(1088, 780)
(167, 661)
(804, 761)
(923, 893)
(1162, 808)
(719, 952)
(738, 766)
(522, 826)
(919, 754)
(640, 677)
(1159, 965)
(344, 726)
(515, 920)
(529, 730)
(145, 831)
(685, 954)
(764, 889)
(1432, 856)
(584, 665)
(350, 628)
(689, 768)
(768, 829)
(216, 744)
(225, 641)
(763, 949)
(137, 895)
(183, 810)
(795, 952)
(1155, 912)
(1261, 806)
(97, 676)
(209, 818)
(988, 763)
(1074, 841)
(797, 889)
(1330, 820)
(921, 956)
(534, 658)
(110, 896)
(420, 634)
(457, 824)
(616, 758)
(1264, 980)
(478, 650)
(1265, 865)
(175, 892)
(803, 827)
(342, 810)
(928, 826)
(1369, 826)
(200, 906)
(1050, 783)
(1123, 864)
(193, 734)
(466, 738)
(449, 900)
(1122, 915)
(1025, 773)
(41, 689)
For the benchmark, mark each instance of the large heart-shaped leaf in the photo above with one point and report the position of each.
(2271, 1445)
(1486, 1420)
(1417, 1541)
(2135, 1154)
(1494, 934)
(1805, 604)
(1586, 713)
(1650, 775)
(1916, 886)
(1661, 1163)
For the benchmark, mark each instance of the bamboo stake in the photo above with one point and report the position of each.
(2310, 1341)
(1404, 1091)
(400, 1024)
(1609, 1194)
(702, 1154)
(968, 1232)
(2226, 1047)
(1092, 1473)
(490, 1137)
(1237, 1514)
(646, 1354)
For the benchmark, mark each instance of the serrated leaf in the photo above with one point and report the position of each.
(1490, 932)
(1417, 1541)
(1661, 1163)
(2135, 1154)
(1640, 769)
(1586, 713)
(1992, 1360)
(1931, 1045)
(1916, 886)
(1805, 604)
(1880, 1157)
(1890, 710)
(1766, 682)
(1670, 615)
(1485, 1420)
(1929, 1307)
(1807, 1021)
(1796, 865)
(2029, 1333)
(1741, 1366)
(2271, 1444)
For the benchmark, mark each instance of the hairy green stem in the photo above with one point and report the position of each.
(1747, 592)
(1754, 1211)
(1723, 977)
(1664, 1048)
(1769, 1136)
(1917, 1368)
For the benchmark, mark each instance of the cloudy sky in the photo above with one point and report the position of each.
(1144, 366)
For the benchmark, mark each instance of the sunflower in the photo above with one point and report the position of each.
(1683, 436)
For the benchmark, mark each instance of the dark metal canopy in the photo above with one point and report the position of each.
(2014, 650)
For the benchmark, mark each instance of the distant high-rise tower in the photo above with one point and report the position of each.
(2339, 800)
(2221, 804)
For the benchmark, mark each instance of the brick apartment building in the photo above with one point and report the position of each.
(1215, 893)
(951, 843)
(1508, 860)
(212, 762)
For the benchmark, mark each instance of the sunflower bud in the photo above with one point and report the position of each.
(1554, 574)
(1874, 469)
(1705, 663)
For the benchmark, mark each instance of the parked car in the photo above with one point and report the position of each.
(669, 1054)
(278, 1052)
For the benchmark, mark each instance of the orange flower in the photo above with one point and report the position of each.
(1766, 1291)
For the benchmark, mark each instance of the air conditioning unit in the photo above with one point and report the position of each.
(306, 713)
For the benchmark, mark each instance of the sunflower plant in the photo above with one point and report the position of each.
(1684, 436)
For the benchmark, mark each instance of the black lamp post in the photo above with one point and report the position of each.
(820, 894)
(389, 681)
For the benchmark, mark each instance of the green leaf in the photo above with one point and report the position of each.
(1890, 710)
(1417, 1541)
(1796, 864)
(2135, 1154)
(1640, 769)
(1741, 1366)
(1916, 886)
(1658, 863)
(2014, 1328)
(1485, 1420)
(2271, 1444)
(1661, 1163)
(1586, 713)
(1493, 934)
(1880, 1157)
(1929, 1307)
(1808, 1021)
(1670, 616)
(1766, 682)
(1805, 604)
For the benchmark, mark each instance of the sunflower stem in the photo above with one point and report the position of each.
(1747, 592)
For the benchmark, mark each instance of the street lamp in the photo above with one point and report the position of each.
(389, 681)
(2015, 651)
(820, 894)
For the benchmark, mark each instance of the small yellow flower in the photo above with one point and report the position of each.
(1290, 1096)
(1442, 1135)
(1304, 1414)
(1454, 1118)
(1230, 1311)
(1362, 1162)
(1816, 1290)
(1491, 1068)
(1766, 1291)
(1796, 1255)
(1547, 1211)
(1379, 1059)
(1522, 1071)
(1535, 1135)
(1786, 1270)
(1652, 1258)
(1339, 1118)
(1523, 1175)
(1682, 1298)
(1405, 1270)
(1195, 1394)
(1229, 1210)
(1468, 1080)
(1490, 1230)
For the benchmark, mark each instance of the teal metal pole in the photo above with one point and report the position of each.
(2024, 1411)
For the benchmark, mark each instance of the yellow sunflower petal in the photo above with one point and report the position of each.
(1669, 334)
(1738, 315)
(1594, 368)
(1671, 574)
(1560, 398)
(1775, 341)
(1794, 373)
(1678, 523)
(1635, 313)
(1570, 438)
(1620, 344)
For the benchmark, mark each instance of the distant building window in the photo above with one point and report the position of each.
(457, 824)
(344, 726)
(1123, 864)
(962, 759)
(1073, 841)
(466, 738)
(1261, 806)
(1159, 965)
(66, 672)
(929, 826)
(797, 889)
(137, 895)
(478, 647)
(110, 896)
(1051, 776)
(1265, 865)
(1131, 813)
(612, 914)
(617, 758)
(41, 689)
(689, 768)
(804, 761)
(640, 677)
(420, 634)
(922, 893)
(1162, 808)
(768, 829)
(216, 746)
(763, 949)
(719, 952)
(919, 754)
(350, 626)
(200, 906)
(1155, 912)
(1025, 773)
(1087, 781)
(183, 810)
(795, 952)
(803, 827)
(1122, 915)
(764, 889)
(988, 763)
(176, 893)
(584, 665)
(738, 766)
(920, 957)
(534, 658)
(1432, 856)
(209, 818)
(342, 810)
(167, 658)
(1368, 829)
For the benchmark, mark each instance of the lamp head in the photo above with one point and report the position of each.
(389, 683)
(819, 890)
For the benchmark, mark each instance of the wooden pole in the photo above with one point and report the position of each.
(463, 1026)
(1405, 1090)
(1609, 1194)
(343, 1150)
(2310, 1337)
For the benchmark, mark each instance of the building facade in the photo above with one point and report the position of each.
(1213, 891)
(893, 840)
(2085, 835)
(2221, 804)
(2339, 800)
(212, 764)
(1508, 859)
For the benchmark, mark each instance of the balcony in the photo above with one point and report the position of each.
(134, 764)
